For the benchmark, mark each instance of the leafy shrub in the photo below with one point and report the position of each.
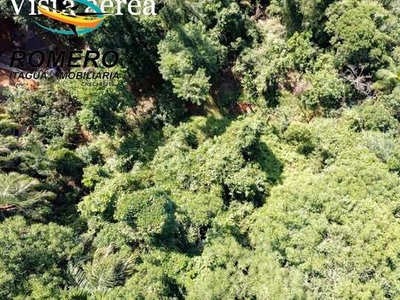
(101, 202)
(392, 102)
(67, 162)
(7, 126)
(102, 103)
(92, 175)
(302, 137)
(259, 70)
(150, 212)
(374, 116)
(301, 51)
(326, 89)
(90, 154)
(50, 110)
(300, 15)
(231, 24)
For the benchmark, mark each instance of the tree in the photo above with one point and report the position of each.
(151, 213)
(194, 88)
(33, 256)
(107, 270)
(50, 110)
(234, 168)
(25, 155)
(67, 163)
(260, 69)
(375, 117)
(22, 194)
(304, 15)
(327, 90)
(368, 42)
(387, 79)
(320, 223)
(103, 104)
(230, 22)
(189, 57)
(142, 35)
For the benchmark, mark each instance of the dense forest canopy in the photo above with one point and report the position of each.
(248, 150)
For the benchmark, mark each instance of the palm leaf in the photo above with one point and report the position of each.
(20, 192)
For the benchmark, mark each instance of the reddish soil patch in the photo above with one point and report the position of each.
(6, 82)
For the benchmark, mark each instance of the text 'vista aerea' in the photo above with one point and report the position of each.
(116, 7)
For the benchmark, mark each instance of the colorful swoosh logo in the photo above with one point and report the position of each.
(79, 23)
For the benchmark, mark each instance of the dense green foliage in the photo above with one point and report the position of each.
(248, 150)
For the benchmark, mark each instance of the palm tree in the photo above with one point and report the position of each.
(107, 270)
(387, 79)
(19, 192)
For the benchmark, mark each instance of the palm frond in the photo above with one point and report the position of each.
(19, 191)
(107, 270)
